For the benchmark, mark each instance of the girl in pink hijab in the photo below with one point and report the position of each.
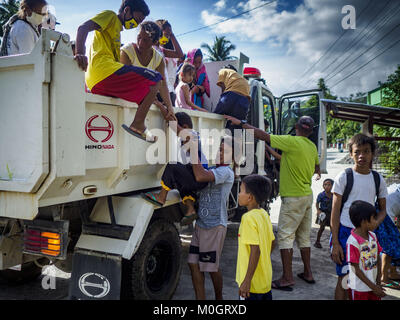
(202, 84)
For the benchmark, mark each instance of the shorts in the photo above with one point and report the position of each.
(295, 222)
(206, 247)
(389, 238)
(130, 83)
(358, 295)
(344, 234)
(259, 296)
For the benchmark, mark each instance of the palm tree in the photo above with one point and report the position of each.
(7, 9)
(220, 50)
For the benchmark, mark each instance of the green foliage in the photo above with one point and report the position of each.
(389, 156)
(7, 9)
(221, 49)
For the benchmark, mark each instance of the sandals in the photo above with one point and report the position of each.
(149, 196)
(391, 285)
(301, 276)
(318, 245)
(277, 285)
(145, 135)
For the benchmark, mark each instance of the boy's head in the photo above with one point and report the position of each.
(228, 148)
(184, 120)
(327, 185)
(363, 214)
(133, 12)
(362, 149)
(255, 189)
(148, 35)
(305, 126)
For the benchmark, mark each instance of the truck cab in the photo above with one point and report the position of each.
(71, 179)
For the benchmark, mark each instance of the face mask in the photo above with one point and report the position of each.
(163, 40)
(130, 24)
(35, 19)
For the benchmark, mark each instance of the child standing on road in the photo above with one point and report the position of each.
(363, 251)
(324, 208)
(357, 183)
(256, 241)
(182, 91)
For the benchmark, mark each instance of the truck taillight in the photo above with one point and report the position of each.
(40, 242)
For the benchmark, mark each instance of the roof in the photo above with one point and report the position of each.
(360, 112)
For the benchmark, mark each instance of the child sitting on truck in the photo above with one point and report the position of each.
(106, 75)
(180, 175)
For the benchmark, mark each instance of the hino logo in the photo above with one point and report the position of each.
(98, 287)
(89, 129)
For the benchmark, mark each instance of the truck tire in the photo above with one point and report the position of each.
(29, 271)
(153, 272)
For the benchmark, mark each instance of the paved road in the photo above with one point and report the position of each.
(323, 268)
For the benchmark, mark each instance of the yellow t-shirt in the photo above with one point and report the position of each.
(104, 54)
(255, 229)
(234, 82)
(299, 158)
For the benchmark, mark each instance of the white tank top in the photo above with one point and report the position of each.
(131, 53)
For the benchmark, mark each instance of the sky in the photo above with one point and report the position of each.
(292, 42)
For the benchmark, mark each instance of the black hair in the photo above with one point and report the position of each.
(361, 139)
(135, 5)
(152, 29)
(229, 66)
(183, 118)
(163, 24)
(258, 186)
(328, 180)
(360, 211)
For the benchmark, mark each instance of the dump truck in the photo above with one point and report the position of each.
(71, 179)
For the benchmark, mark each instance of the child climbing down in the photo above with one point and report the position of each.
(182, 91)
(180, 175)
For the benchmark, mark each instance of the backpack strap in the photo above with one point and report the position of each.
(377, 181)
(349, 186)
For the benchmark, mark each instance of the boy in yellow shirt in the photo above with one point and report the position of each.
(106, 75)
(256, 241)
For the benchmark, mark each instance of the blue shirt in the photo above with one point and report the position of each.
(325, 203)
(213, 199)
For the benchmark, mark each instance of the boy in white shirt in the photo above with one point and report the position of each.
(362, 148)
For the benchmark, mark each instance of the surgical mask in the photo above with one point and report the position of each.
(35, 19)
(163, 40)
(130, 24)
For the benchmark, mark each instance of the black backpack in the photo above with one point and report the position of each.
(349, 186)
(6, 33)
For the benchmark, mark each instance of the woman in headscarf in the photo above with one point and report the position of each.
(202, 84)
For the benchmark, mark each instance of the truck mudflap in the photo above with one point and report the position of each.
(95, 276)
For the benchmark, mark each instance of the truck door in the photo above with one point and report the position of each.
(294, 105)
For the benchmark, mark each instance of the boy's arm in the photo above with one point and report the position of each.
(379, 273)
(273, 152)
(83, 31)
(317, 171)
(244, 289)
(201, 174)
(164, 90)
(337, 251)
(380, 292)
(382, 210)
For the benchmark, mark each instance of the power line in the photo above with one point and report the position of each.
(385, 19)
(365, 64)
(372, 46)
(224, 20)
(330, 47)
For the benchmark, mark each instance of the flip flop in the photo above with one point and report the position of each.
(318, 245)
(277, 285)
(391, 285)
(188, 219)
(145, 135)
(301, 276)
(149, 196)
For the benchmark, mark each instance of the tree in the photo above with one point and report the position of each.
(7, 9)
(220, 50)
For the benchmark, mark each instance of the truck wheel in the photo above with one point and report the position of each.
(29, 272)
(153, 272)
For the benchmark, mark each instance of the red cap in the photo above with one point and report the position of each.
(251, 72)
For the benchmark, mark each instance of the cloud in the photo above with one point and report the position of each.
(219, 5)
(305, 33)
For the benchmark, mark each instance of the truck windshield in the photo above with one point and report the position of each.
(294, 108)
